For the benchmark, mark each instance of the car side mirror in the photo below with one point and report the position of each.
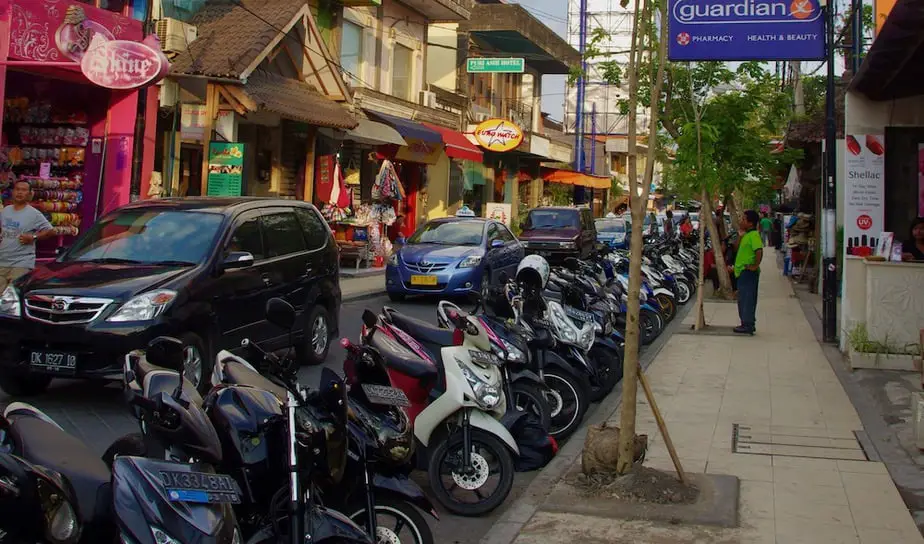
(237, 260)
(280, 313)
(166, 352)
(61, 250)
(496, 244)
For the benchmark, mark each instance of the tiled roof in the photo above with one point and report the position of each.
(232, 33)
(296, 100)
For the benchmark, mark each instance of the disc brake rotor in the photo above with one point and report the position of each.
(477, 477)
(384, 535)
(555, 402)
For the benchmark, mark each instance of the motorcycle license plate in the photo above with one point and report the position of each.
(580, 315)
(483, 357)
(200, 487)
(423, 280)
(386, 396)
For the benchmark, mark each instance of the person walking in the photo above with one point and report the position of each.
(747, 271)
(21, 226)
(766, 230)
(668, 223)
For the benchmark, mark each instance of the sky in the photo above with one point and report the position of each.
(554, 13)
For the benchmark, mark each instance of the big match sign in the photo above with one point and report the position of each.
(746, 30)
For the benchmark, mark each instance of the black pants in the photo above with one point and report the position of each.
(747, 298)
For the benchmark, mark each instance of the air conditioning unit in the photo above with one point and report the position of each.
(428, 99)
(480, 117)
(174, 35)
(169, 93)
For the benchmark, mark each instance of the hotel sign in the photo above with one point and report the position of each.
(740, 30)
(487, 65)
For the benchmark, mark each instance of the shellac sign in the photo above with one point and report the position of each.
(120, 64)
(746, 30)
(498, 135)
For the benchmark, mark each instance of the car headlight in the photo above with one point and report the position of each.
(488, 396)
(62, 524)
(567, 245)
(393, 259)
(514, 354)
(144, 307)
(470, 262)
(161, 536)
(9, 303)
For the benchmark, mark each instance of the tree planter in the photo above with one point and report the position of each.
(881, 361)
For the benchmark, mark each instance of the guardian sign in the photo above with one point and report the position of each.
(740, 30)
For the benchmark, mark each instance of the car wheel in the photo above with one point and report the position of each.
(318, 332)
(197, 365)
(24, 385)
(485, 284)
(396, 297)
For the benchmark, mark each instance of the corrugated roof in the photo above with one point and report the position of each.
(296, 100)
(232, 34)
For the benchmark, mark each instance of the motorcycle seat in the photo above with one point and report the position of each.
(45, 444)
(421, 330)
(238, 374)
(402, 359)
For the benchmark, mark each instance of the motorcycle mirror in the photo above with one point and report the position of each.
(369, 319)
(166, 352)
(280, 313)
(504, 277)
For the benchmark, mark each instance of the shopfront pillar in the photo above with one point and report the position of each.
(511, 191)
(211, 113)
(117, 179)
(4, 49)
(150, 138)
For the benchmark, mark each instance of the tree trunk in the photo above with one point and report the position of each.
(706, 215)
(700, 317)
(732, 206)
(798, 95)
(637, 209)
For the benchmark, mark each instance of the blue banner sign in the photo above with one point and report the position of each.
(739, 30)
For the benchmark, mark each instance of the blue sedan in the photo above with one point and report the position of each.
(453, 256)
(612, 231)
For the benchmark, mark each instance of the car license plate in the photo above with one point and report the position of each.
(423, 280)
(200, 487)
(483, 357)
(580, 315)
(385, 395)
(53, 361)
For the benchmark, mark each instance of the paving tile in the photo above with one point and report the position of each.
(887, 536)
(756, 499)
(823, 505)
(801, 476)
(876, 503)
(805, 463)
(790, 530)
(862, 467)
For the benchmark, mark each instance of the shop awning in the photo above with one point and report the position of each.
(295, 100)
(457, 145)
(374, 133)
(407, 128)
(894, 66)
(570, 177)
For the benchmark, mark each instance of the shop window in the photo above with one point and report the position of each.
(282, 235)
(247, 238)
(313, 227)
(401, 70)
(351, 52)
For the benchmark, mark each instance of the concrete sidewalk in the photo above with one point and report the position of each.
(355, 288)
(770, 410)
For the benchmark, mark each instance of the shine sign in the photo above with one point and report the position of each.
(740, 30)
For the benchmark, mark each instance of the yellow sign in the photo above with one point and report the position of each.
(498, 135)
(419, 151)
(881, 9)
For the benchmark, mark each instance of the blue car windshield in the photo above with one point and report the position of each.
(611, 226)
(450, 233)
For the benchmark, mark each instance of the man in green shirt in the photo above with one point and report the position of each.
(747, 270)
(766, 229)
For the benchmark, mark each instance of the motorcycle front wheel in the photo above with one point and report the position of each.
(569, 399)
(608, 366)
(530, 398)
(397, 522)
(684, 293)
(479, 488)
(668, 307)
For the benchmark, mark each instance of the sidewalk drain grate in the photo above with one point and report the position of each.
(797, 443)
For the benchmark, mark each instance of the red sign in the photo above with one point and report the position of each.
(120, 64)
(864, 222)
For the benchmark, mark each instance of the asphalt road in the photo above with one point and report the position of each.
(97, 414)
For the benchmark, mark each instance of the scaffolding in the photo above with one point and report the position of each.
(616, 21)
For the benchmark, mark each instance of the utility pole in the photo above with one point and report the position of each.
(857, 7)
(593, 138)
(829, 203)
(579, 110)
(140, 118)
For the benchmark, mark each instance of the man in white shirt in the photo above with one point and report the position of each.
(21, 226)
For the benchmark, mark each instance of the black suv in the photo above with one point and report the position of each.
(199, 269)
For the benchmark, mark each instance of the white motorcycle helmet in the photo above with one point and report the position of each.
(533, 272)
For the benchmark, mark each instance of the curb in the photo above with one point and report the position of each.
(506, 529)
(362, 295)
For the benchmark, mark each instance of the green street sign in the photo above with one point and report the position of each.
(483, 65)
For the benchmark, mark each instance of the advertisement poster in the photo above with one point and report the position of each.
(745, 30)
(499, 211)
(863, 193)
(226, 168)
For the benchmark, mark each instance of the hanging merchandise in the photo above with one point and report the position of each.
(324, 178)
(333, 214)
(387, 186)
(343, 197)
(352, 173)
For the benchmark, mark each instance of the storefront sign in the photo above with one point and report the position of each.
(56, 31)
(419, 151)
(192, 121)
(121, 64)
(226, 168)
(881, 10)
(746, 30)
(498, 135)
(863, 192)
(499, 211)
(495, 65)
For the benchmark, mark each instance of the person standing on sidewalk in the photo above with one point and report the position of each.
(20, 226)
(747, 270)
(766, 229)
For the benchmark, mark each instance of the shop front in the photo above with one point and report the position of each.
(68, 109)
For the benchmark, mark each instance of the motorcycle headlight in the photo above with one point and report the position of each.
(514, 354)
(487, 395)
(587, 338)
(161, 536)
(62, 524)
(598, 328)
(9, 303)
(563, 325)
(470, 262)
(144, 307)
